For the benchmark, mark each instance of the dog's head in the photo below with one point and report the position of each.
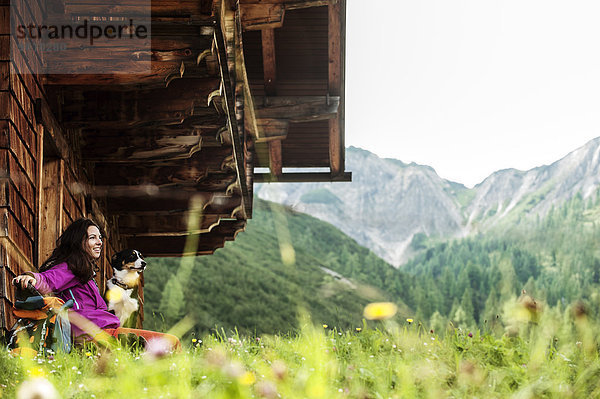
(130, 260)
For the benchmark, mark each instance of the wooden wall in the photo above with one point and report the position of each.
(43, 188)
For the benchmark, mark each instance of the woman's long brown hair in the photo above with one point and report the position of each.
(69, 249)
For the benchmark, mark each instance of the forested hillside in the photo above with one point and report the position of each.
(259, 282)
(556, 260)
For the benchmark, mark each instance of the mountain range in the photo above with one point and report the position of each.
(392, 207)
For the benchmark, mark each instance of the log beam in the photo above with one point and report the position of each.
(275, 159)
(262, 16)
(335, 49)
(298, 108)
(302, 177)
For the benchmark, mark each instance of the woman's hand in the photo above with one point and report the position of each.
(23, 280)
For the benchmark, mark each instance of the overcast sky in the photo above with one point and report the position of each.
(472, 86)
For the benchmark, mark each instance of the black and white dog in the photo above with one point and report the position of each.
(127, 266)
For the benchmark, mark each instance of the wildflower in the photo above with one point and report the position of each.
(470, 335)
(325, 326)
(88, 354)
(267, 389)
(194, 340)
(358, 329)
(234, 370)
(39, 388)
(39, 372)
(247, 378)
(380, 310)
(157, 348)
(279, 369)
(409, 321)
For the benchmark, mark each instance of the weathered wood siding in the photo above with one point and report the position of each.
(42, 190)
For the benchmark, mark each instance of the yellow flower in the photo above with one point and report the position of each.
(380, 310)
(410, 320)
(358, 329)
(37, 372)
(325, 325)
(88, 354)
(247, 378)
(194, 340)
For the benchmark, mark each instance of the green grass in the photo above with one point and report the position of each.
(557, 357)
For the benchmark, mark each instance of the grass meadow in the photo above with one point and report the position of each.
(524, 353)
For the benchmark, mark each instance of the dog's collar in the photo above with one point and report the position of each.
(120, 284)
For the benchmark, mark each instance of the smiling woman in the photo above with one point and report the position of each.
(69, 273)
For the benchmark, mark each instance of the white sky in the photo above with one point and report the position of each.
(472, 86)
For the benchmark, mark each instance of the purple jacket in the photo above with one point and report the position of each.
(88, 301)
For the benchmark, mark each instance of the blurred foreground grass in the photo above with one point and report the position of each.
(532, 355)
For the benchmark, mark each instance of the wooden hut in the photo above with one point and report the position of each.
(160, 141)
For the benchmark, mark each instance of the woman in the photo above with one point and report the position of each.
(69, 274)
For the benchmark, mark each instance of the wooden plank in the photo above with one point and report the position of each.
(75, 187)
(22, 96)
(22, 211)
(4, 48)
(19, 67)
(11, 229)
(261, 16)
(18, 148)
(70, 204)
(275, 158)
(269, 61)
(272, 129)
(25, 49)
(51, 192)
(234, 129)
(4, 75)
(298, 108)
(54, 131)
(138, 225)
(5, 100)
(21, 181)
(289, 4)
(301, 177)
(335, 86)
(24, 126)
(4, 20)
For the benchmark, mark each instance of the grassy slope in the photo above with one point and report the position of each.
(246, 285)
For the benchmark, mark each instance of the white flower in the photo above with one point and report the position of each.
(37, 388)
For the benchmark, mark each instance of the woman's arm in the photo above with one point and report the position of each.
(56, 279)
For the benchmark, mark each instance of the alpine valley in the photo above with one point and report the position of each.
(465, 256)
(392, 207)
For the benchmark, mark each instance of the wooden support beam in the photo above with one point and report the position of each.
(234, 129)
(176, 245)
(335, 27)
(261, 16)
(132, 225)
(298, 108)
(272, 129)
(169, 148)
(175, 200)
(275, 158)
(119, 110)
(288, 4)
(51, 209)
(269, 61)
(302, 177)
